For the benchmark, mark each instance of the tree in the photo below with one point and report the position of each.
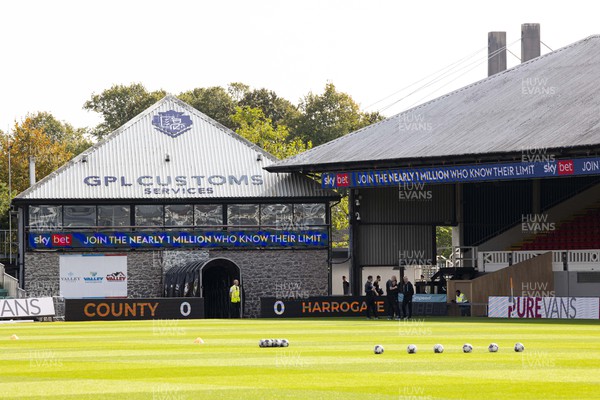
(329, 116)
(214, 101)
(5, 199)
(278, 109)
(119, 104)
(75, 139)
(26, 141)
(254, 126)
(443, 236)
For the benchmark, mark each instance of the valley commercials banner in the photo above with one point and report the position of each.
(544, 307)
(93, 275)
(32, 307)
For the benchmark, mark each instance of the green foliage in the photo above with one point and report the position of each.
(119, 104)
(443, 236)
(278, 109)
(330, 115)
(214, 101)
(339, 223)
(254, 126)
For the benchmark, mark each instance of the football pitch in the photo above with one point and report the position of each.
(326, 359)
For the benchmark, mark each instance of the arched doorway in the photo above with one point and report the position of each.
(217, 278)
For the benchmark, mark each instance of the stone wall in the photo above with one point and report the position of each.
(264, 273)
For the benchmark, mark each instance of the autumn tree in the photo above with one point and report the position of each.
(75, 139)
(27, 140)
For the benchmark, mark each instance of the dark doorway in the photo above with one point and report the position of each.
(217, 278)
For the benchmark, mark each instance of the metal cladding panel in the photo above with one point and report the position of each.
(429, 204)
(548, 102)
(131, 164)
(382, 244)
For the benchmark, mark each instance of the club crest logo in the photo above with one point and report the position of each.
(172, 123)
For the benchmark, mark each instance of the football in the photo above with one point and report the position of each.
(467, 348)
(278, 343)
(438, 348)
(411, 349)
(519, 347)
(378, 349)
(284, 343)
(493, 347)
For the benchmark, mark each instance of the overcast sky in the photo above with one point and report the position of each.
(56, 53)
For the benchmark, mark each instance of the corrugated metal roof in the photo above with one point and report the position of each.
(206, 161)
(549, 102)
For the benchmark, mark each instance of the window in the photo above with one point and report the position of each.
(79, 216)
(110, 216)
(45, 217)
(243, 215)
(149, 215)
(277, 216)
(208, 215)
(309, 214)
(179, 215)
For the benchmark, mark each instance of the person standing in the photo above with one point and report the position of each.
(378, 289)
(371, 293)
(235, 299)
(463, 303)
(392, 289)
(408, 291)
(346, 286)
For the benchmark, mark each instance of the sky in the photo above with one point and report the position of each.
(56, 53)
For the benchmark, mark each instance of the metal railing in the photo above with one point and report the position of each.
(8, 245)
(562, 260)
(10, 284)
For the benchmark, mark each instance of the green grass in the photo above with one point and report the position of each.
(327, 359)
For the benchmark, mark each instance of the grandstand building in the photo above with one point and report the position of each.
(174, 204)
(511, 163)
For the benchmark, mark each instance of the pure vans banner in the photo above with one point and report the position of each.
(32, 307)
(544, 307)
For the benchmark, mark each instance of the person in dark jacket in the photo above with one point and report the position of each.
(371, 293)
(392, 290)
(346, 286)
(407, 290)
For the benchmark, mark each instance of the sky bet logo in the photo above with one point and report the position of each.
(54, 240)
